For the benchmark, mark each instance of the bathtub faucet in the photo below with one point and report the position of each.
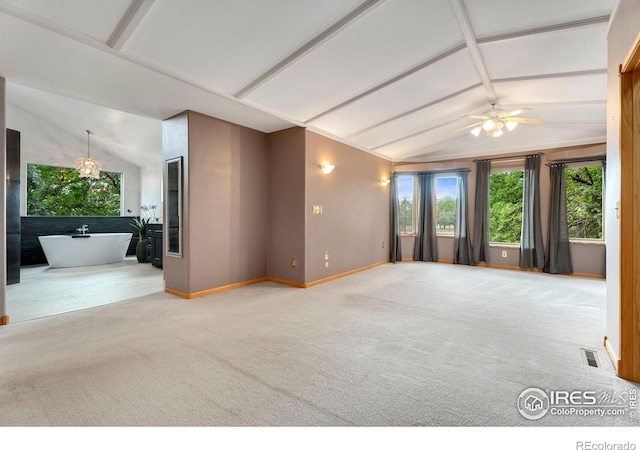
(82, 230)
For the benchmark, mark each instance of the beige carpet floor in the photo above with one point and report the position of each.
(411, 344)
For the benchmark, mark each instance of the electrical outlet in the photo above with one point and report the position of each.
(504, 253)
(326, 263)
(317, 210)
(294, 262)
(382, 244)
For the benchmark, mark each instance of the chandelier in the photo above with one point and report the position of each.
(88, 168)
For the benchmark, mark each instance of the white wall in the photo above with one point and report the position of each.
(622, 33)
(41, 142)
(151, 187)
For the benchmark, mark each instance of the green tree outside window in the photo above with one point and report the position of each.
(59, 191)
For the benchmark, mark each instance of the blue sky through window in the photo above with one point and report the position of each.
(446, 187)
(405, 187)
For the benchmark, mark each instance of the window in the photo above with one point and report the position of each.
(407, 194)
(59, 191)
(584, 202)
(446, 189)
(505, 206)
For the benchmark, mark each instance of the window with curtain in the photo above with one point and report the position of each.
(505, 206)
(445, 204)
(584, 202)
(407, 201)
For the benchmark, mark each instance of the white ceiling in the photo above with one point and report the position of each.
(391, 77)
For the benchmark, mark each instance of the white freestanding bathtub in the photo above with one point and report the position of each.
(85, 250)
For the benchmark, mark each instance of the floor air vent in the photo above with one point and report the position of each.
(590, 357)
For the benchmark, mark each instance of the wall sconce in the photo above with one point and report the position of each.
(384, 181)
(327, 168)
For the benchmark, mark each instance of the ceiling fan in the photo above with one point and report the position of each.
(494, 121)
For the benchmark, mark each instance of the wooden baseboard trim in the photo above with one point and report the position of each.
(4, 320)
(287, 282)
(612, 354)
(589, 275)
(345, 274)
(518, 268)
(522, 269)
(191, 295)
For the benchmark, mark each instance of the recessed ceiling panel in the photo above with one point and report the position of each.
(95, 18)
(576, 49)
(104, 79)
(496, 17)
(549, 90)
(396, 36)
(429, 85)
(229, 43)
(435, 116)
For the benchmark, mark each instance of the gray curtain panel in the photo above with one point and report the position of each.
(395, 246)
(558, 257)
(426, 246)
(462, 248)
(481, 220)
(531, 245)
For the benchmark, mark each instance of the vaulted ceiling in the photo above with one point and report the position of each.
(391, 77)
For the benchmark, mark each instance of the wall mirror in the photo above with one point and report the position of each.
(173, 168)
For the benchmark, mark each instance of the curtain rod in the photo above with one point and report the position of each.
(508, 157)
(578, 160)
(435, 171)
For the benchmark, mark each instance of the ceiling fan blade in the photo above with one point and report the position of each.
(524, 120)
(515, 112)
(473, 116)
(468, 127)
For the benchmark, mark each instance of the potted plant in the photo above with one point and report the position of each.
(147, 215)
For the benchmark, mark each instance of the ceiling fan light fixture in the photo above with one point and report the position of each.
(488, 125)
(511, 125)
(497, 133)
(476, 131)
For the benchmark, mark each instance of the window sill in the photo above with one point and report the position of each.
(587, 241)
(503, 245)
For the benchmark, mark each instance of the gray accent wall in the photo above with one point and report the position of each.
(247, 205)
(225, 201)
(228, 203)
(354, 225)
(287, 204)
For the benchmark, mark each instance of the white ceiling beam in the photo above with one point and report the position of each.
(542, 76)
(548, 29)
(129, 22)
(464, 24)
(314, 43)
